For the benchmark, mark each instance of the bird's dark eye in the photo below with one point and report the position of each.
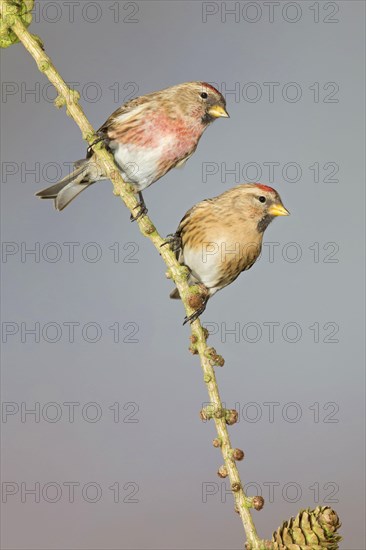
(262, 199)
(204, 95)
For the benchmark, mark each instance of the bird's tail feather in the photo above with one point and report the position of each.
(192, 280)
(69, 187)
(174, 295)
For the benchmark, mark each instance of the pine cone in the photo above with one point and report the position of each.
(310, 530)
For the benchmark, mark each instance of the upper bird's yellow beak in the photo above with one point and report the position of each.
(278, 210)
(218, 111)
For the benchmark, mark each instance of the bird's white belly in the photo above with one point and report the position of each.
(138, 165)
(204, 264)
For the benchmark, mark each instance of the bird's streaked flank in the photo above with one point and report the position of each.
(220, 237)
(148, 136)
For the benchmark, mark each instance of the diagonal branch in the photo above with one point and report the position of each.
(208, 356)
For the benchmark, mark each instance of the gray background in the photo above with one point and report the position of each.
(168, 452)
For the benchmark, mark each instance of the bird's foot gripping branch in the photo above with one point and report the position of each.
(310, 530)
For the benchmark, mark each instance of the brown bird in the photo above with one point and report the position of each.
(148, 136)
(220, 237)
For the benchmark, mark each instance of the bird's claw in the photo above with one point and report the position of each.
(191, 318)
(142, 212)
(141, 206)
(174, 241)
(101, 137)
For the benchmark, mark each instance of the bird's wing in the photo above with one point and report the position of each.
(124, 116)
(191, 218)
(185, 220)
(121, 121)
(191, 212)
(178, 249)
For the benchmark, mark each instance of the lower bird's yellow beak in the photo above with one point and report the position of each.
(278, 210)
(218, 111)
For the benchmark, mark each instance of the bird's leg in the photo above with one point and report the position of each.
(142, 208)
(174, 241)
(204, 299)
